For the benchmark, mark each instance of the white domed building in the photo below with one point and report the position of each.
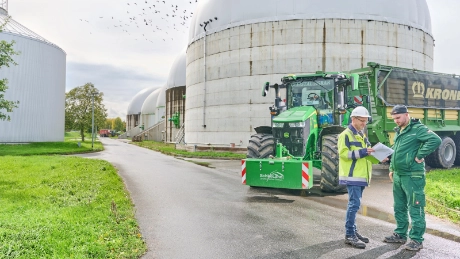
(149, 111)
(160, 105)
(133, 116)
(248, 43)
(37, 82)
(175, 98)
(153, 116)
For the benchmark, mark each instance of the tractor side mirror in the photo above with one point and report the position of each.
(354, 79)
(265, 89)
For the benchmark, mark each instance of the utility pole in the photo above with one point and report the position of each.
(93, 94)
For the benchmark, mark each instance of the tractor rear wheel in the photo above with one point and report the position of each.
(444, 155)
(261, 145)
(330, 165)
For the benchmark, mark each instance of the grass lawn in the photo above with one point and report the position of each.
(65, 207)
(69, 146)
(443, 193)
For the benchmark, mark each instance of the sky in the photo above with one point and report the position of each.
(123, 46)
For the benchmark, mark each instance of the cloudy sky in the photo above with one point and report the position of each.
(124, 46)
(120, 48)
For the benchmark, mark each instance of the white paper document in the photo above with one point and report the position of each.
(381, 151)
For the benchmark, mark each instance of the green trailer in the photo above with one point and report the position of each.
(315, 108)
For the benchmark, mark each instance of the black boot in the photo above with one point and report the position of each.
(395, 238)
(364, 239)
(354, 241)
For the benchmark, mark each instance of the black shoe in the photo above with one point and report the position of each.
(395, 238)
(364, 239)
(413, 246)
(354, 241)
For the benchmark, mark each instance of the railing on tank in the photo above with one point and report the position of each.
(180, 135)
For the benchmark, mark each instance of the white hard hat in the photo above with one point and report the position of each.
(360, 111)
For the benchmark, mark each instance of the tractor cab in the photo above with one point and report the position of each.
(326, 92)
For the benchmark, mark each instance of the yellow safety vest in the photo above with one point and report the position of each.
(354, 169)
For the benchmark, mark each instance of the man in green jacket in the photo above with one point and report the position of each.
(412, 143)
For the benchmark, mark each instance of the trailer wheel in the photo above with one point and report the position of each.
(456, 139)
(261, 145)
(330, 165)
(444, 155)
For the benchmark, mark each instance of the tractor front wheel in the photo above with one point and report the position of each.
(330, 165)
(261, 145)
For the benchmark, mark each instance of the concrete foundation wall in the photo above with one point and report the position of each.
(156, 133)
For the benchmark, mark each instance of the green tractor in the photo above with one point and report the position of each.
(316, 108)
(303, 134)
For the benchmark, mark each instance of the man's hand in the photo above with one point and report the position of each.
(370, 150)
(419, 160)
(391, 176)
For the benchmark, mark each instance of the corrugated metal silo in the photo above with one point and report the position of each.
(37, 82)
(252, 42)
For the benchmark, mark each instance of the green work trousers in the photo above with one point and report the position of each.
(409, 198)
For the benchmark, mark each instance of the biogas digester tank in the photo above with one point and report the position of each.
(253, 42)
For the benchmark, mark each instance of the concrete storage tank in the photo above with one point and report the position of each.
(160, 105)
(135, 107)
(252, 42)
(175, 98)
(37, 82)
(148, 111)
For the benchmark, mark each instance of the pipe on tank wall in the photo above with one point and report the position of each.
(204, 80)
(204, 62)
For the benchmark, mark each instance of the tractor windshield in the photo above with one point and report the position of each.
(317, 92)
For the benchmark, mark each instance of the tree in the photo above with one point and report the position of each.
(108, 123)
(117, 124)
(6, 59)
(78, 109)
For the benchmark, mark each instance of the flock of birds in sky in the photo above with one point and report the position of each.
(144, 17)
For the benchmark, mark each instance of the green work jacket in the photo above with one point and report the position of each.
(415, 140)
(354, 168)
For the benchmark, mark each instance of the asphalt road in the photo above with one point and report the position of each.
(189, 211)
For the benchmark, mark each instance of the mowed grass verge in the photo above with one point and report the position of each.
(169, 149)
(65, 207)
(443, 193)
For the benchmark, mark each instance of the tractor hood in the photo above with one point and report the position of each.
(297, 114)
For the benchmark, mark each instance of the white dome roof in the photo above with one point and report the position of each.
(161, 100)
(234, 13)
(149, 106)
(177, 73)
(135, 106)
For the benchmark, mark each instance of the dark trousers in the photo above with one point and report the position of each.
(409, 199)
